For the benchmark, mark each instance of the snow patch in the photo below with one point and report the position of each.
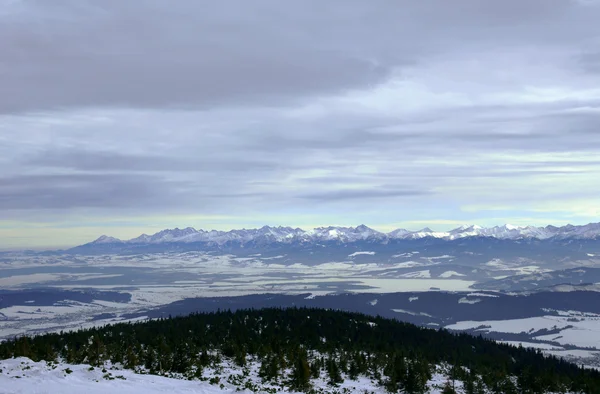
(449, 274)
(361, 253)
(482, 295)
(466, 300)
(418, 274)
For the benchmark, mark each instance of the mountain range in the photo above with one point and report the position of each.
(280, 234)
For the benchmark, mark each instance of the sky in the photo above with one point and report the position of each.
(128, 117)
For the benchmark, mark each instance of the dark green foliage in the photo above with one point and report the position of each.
(448, 389)
(333, 370)
(269, 369)
(300, 377)
(311, 343)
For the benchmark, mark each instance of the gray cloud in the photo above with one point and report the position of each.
(590, 62)
(36, 192)
(363, 195)
(155, 55)
(113, 53)
(267, 107)
(107, 161)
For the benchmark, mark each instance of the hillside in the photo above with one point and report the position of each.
(295, 349)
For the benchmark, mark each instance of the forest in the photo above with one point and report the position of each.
(296, 345)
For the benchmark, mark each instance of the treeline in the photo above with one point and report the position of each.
(296, 345)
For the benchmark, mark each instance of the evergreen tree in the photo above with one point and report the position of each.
(333, 370)
(448, 388)
(269, 368)
(131, 359)
(469, 382)
(313, 340)
(417, 375)
(396, 371)
(300, 377)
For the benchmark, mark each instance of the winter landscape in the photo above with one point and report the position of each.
(537, 287)
(307, 196)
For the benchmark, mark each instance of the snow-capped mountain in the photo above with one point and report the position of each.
(105, 239)
(267, 234)
(345, 234)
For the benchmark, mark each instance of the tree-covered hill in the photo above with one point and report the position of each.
(297, 345)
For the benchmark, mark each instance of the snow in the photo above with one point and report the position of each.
(380, 285)
(482, 295)
(23, 376)
(17, 280)
(199, 274)
(535, 345)
(514, 326)
(353, 234)
(408, 254)
(583, 334)
(273, 258)
(449, 274)
(577, 329)
(411, 312)
(465, 300)
(517, 268)
(417, 274)
(361, 253)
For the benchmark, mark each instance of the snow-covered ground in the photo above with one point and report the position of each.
(157, 279)
(23, 376)
(361, 253)
(569, 329)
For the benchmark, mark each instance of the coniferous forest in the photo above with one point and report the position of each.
(297, 345)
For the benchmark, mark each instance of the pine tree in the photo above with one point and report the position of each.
(333, 370)
(469, 382)
(351, 342)
(95, 352)
(269, 369)
(395, 370)
(353, 370)
(300, 376)
(132, 358)
(448, 388)
(417, 375)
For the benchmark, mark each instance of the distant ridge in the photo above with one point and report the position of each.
(267, 234)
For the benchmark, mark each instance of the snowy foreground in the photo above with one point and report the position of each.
(23, 376)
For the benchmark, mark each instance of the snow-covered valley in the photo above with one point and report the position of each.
(435, 288)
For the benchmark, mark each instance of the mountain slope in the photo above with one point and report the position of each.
(300, 349)
(359, 233)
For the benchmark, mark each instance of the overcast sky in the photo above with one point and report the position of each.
(123, 117)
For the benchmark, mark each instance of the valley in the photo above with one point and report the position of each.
(507, 290)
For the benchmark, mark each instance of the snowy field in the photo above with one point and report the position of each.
(556, 335)
(23, 376)
(155, 280)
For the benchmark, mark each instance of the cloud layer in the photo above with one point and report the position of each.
(303, 113)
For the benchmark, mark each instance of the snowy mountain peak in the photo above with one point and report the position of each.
(398, 233)
(511, 227)
(466, 228)
(280, 234)
(105, 239)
